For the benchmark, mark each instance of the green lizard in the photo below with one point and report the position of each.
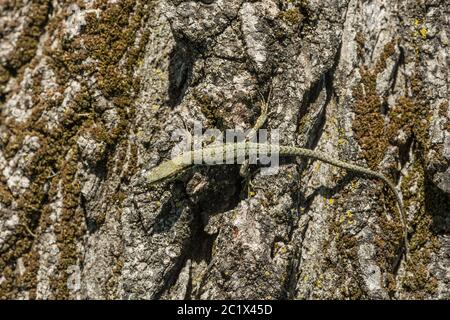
(179, 164)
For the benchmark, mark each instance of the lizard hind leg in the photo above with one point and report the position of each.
(247, 184)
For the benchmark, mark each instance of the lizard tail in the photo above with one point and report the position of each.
(358, 169)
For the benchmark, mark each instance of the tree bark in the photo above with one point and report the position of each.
(91, 93)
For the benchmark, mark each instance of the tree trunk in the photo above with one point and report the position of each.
(91, 93)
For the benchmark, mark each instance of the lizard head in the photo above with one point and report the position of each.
(165, 170)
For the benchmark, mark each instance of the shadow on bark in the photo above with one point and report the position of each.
(181, 63)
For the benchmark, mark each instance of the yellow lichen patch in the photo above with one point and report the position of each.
(420, 30)
(349, 214)
(342, 142)
(423, 32)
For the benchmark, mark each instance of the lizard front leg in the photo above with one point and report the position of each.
(244, 169)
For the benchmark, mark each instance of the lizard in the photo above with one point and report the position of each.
(177, 165)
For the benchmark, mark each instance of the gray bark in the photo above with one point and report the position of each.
(91, 92)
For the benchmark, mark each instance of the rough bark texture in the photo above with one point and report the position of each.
(91, 91)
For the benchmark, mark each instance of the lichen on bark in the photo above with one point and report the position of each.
(92, 91)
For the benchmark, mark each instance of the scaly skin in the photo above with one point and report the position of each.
(208, 154)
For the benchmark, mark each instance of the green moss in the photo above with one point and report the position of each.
(345, 262)
(109, 40)
(5, 196)
(291, 16)
(4, 76)
(369, 125)
(418, 281)
(410, 115)
(27, 42)
(374, 135)
(374, 138)
(444, 113)
(360, 43)
(111, 287)
(296, 16)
